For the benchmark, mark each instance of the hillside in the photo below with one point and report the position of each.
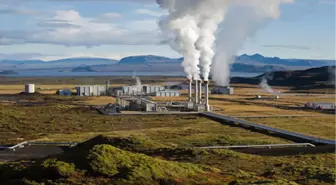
(322, 77)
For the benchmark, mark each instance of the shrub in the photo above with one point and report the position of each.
(112, 162)
(57, 169)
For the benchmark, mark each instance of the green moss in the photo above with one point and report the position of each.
(58, 168)
(112, 162)
(322, 174)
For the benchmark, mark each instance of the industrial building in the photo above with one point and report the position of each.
(147, 90)
(167, 93)
(223, 90)
(320, 105)
(93, 90)
(137, 104)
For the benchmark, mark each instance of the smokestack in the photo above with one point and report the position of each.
(190, 90)
(200, 92)
(196, 91)
(206, 99)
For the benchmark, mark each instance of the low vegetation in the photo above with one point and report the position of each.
(129, 160)
(66, 119)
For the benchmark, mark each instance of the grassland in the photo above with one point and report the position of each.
(323, 127)
(53, 118)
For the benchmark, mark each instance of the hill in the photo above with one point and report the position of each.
(8, 72)
(322, 77)
(147, 59)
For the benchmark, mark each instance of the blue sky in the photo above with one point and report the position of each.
(53, 29)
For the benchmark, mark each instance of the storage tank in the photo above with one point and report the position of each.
(30, 88)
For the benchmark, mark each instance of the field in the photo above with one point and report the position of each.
(56, 118)
(161, 149)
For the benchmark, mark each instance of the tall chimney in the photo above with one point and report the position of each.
(206, 99)
(190, 89)
(196, 91)
(200, 91)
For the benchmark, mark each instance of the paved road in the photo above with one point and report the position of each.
(30, 152)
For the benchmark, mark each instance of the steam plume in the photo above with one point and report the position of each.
(264, 85)
(193, 25)
(138, 85)
(244, 19)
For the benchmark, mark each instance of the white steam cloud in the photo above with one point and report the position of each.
(193, 28)
(264, 85)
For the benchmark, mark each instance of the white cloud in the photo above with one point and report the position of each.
(68, 27)
(149, 12)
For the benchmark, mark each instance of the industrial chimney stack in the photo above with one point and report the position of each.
(200, 92)
(206, 99)
(196, 91)
(190, 90)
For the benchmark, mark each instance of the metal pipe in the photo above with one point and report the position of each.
(206, 99)
(190, 90)
(200, 92)
(196, 91)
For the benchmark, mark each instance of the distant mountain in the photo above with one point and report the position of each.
(322, 77)
(58, 64)
(257, 58)
(83, 69)
(255, 68)
(8, 72)
(88, 61)
(150, 63)
(148, 59)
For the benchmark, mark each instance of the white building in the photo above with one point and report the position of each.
(94, 90)
(137, 90)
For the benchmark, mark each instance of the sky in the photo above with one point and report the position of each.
(55, 29)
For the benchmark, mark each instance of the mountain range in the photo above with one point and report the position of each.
(150, 63)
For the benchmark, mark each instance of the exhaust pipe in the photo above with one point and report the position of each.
(200, 92)
(190, 90)
(196, 91)
(206, 85)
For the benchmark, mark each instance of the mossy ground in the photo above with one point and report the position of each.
(111, 160)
